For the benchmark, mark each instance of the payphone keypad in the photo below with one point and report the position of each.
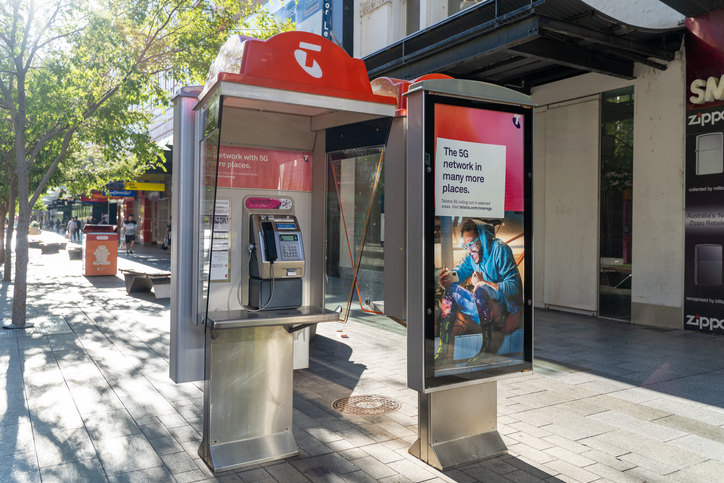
(290, 246)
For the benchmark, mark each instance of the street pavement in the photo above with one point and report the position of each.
(85, 396)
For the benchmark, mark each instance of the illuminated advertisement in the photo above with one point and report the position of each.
(704, 221)
(481, 325)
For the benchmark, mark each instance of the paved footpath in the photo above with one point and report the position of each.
(86, 397)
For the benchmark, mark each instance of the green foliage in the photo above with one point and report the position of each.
(78, 81)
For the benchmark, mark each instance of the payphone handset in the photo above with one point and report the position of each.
(280, 251)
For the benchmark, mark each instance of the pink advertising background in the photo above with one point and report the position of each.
(284, 170)
(704, 51)
(488, 127)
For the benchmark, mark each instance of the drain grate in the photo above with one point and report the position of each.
(44, 325)
(366, 405)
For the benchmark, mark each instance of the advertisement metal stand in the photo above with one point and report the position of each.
(470, 322)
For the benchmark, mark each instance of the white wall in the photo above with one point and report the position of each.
(658, 203)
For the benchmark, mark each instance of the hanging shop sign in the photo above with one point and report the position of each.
(114, 194)
(143, 186)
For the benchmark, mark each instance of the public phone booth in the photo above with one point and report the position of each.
(299, 186)
(250, 194)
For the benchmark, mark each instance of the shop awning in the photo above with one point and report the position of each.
(524, 43)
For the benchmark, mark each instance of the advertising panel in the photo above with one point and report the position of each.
(481, 326)
(704, 230)
(274, 169)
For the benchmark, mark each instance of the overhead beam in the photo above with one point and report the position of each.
(598, 37)
(576, 57)
(692, 8)
(446, 54)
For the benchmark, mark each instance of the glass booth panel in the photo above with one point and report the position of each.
(209, 149)
(355, 231)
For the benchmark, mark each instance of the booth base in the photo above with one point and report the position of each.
(247, 396)
(458, 426)
(249, 452)
(450, 454)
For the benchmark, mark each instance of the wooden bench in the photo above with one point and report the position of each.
(136, 281)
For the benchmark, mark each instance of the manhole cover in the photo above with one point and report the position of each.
(366, 405)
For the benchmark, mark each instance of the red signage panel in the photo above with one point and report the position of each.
(243, 167)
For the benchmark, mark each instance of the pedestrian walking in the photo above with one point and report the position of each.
(129, 233)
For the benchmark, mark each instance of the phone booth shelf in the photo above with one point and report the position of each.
(280, 94)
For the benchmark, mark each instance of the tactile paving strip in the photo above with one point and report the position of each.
(365, 405)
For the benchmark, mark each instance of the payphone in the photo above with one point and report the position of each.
(276, 262)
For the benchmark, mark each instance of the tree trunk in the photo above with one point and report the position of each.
(20, 288)
(7, 275)
(22, 173)
(3, 213)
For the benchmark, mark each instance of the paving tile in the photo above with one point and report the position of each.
(64, 446)
(167, 445)
(701, 446)
(482, 473)
(710, 470)
(19, 467)
(413, 470)
(155, 474)
(520, 476)
(324, 435)
(286, 473)
(126, 454)
(178, 462)
(638, 426)
(84, 470)
(665, 453)
(374, 467)
(185, 433)
(56, 418)
(692, 426)
(16, 438)
(576, 459)
(573, 471)
(359, 477)
(612, 474)
(313, 446)
(189, 476)
(91, 400)
(252, 476)
(110, 424)
(337, 464)
(153, 429)
(532, 441)
(396, 479)
(608, 460)
(356, 437)
(533, 454)
(173, 420)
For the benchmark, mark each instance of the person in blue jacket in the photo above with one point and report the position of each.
(495, 301)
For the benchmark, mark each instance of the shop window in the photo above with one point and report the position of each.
(616, 204)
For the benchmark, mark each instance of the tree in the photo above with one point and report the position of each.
(70, 67)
